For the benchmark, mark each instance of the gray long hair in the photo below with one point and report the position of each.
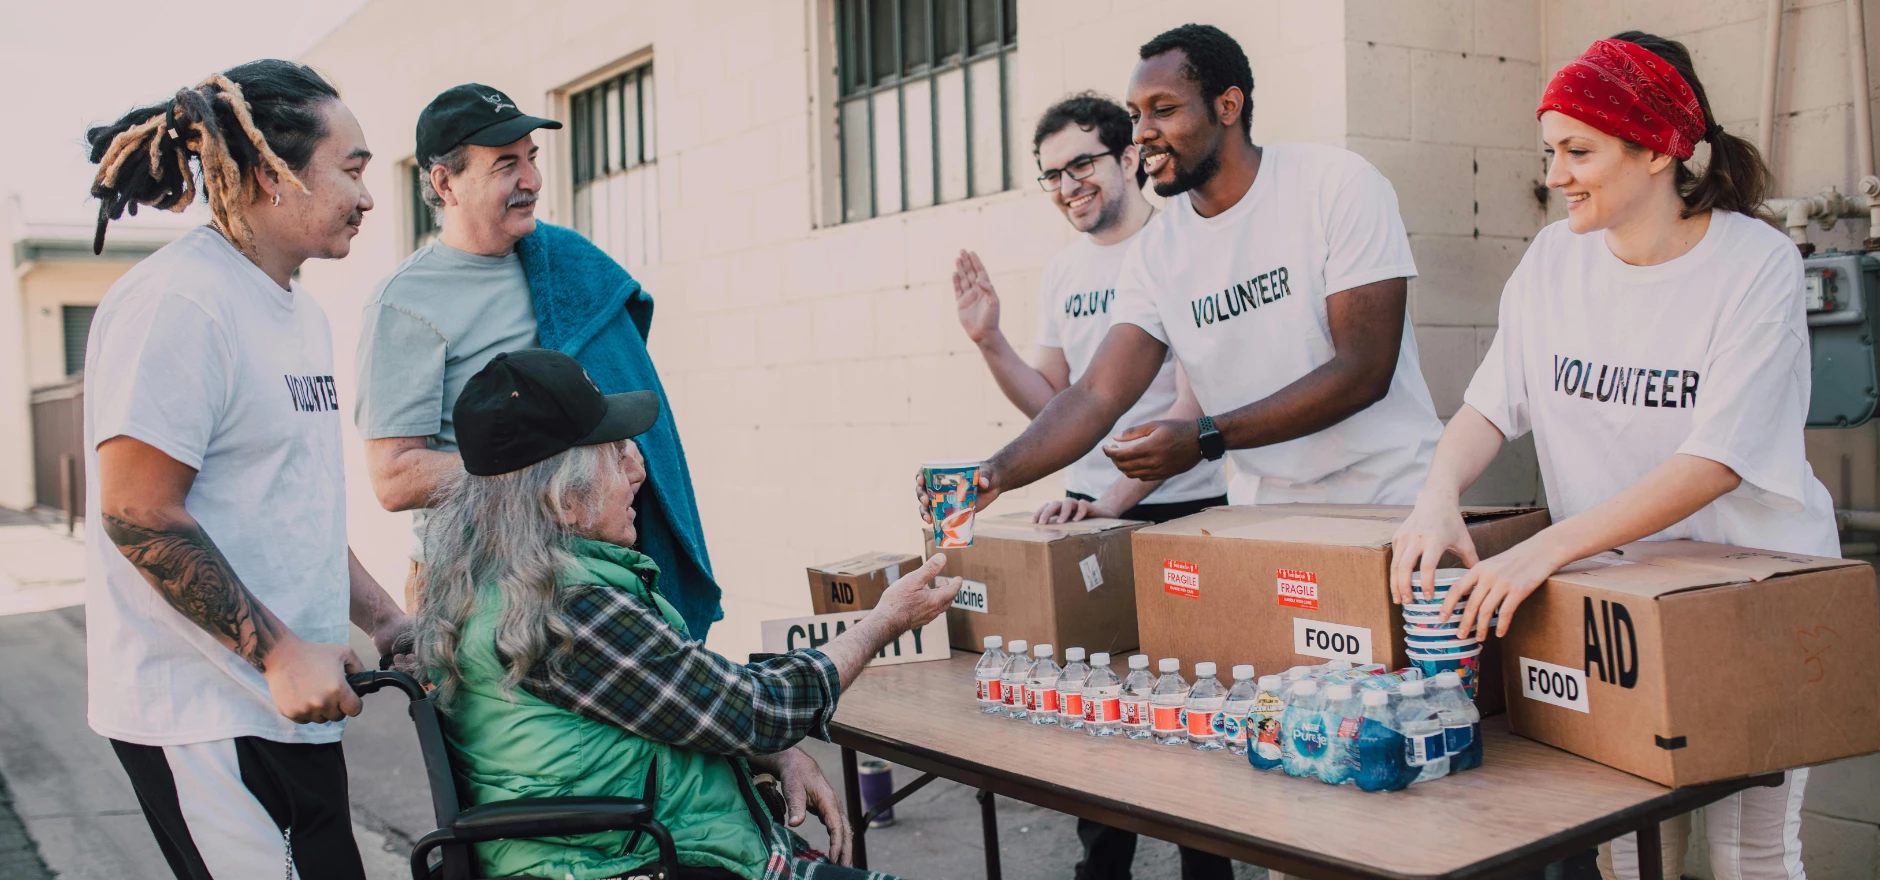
(506, 532)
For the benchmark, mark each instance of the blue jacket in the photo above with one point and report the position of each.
(589, 308)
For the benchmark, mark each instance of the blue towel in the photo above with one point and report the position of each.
(589, 308)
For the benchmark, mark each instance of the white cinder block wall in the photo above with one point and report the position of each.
(811, 364)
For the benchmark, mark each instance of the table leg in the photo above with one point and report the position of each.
(858, 824)
(989, 824)
(1651, 859)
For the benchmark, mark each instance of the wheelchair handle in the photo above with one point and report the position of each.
(370, 682)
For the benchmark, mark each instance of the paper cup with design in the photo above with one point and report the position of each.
(952, 489)
(1463, 665)
(1445, 578)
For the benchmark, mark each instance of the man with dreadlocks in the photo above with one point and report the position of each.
(496, 280)
(213, 458)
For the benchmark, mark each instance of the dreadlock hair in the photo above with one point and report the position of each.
(1215, 62)
(1735, 178)
(262, 114)
(1090, 111)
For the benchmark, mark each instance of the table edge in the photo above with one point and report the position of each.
(1673, 802)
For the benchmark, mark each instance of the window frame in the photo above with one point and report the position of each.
(852, 30)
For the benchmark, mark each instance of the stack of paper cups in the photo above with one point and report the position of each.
(1435, 646)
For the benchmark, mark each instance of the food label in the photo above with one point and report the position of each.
(1166, 719)
(1234, 730)
(989, 690)
(1104, 709)
(1093, 573)
(1456, 739)
(1201, 723)
(1348, 727)
(1073, 704)
(971, 597)
(1562, 686)
(1010, 695)
(1181, 578)
(1298, 589)
(1135, 712)
(1041, 699)
(1333, 641)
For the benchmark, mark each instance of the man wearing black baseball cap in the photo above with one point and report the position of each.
(537, 536)
(487, 285)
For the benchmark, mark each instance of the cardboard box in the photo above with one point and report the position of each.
(1289, 584)
(1069, 584)
(1688, 663)
(856, 583)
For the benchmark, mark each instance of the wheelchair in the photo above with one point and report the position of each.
(502, 820)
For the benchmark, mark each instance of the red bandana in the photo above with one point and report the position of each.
(1625, 90)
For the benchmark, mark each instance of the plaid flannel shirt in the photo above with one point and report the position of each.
(628, 668)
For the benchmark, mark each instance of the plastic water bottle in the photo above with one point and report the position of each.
(1343, 716)
(1135, 701)
(1166, 703)
(1232, 722)
(1304, 725)
(1462, 722)
(1204, 704)
(1103, 691)
(1070, 688)
(1263, 722)
(1041, 694)
(986, 674)
(1380, 747)
(1013, 680)
(1424, 741)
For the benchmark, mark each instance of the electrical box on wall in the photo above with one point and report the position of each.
(1843, 301)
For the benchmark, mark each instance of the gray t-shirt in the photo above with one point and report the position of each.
(432, 324)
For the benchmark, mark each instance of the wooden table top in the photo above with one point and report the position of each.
(1528, 803)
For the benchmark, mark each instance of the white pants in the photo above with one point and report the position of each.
(1755, 834)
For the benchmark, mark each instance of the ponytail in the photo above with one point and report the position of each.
(1735, 178)
(258, 115)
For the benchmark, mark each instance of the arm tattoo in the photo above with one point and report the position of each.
(192, 575)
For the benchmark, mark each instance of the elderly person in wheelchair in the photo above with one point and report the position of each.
(563, 672)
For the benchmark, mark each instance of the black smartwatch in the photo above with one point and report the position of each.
(1213, 445)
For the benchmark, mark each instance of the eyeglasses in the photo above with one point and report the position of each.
(1078, 169)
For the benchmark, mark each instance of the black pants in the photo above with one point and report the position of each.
(301, 787)
(1161, 513)
(1108, 852)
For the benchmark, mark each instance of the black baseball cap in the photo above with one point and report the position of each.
(528, 406)
(472, 113)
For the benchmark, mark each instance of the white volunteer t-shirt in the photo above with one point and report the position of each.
(196, 352)
(1074, 314)
(1240, 298)
(1615, 368)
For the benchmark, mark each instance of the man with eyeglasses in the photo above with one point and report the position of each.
(1094, 176)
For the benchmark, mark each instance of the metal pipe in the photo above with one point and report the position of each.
(1858, 520)
(1772, 55)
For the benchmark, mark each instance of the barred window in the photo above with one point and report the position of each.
(924, 114)
(424, 228)
(613, 129)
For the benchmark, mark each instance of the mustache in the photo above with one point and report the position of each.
(356, 218)
(519, 200)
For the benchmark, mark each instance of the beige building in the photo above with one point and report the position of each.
(792, 178)
(51, 288)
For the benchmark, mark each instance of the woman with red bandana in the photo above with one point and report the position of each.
(1655, 343)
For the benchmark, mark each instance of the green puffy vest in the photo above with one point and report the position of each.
(514, 745)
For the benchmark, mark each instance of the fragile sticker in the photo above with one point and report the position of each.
(1093, 573)
(1298, 589)
(1561, 686)
(1181, 578)
(972, 597)
(1332, 641)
